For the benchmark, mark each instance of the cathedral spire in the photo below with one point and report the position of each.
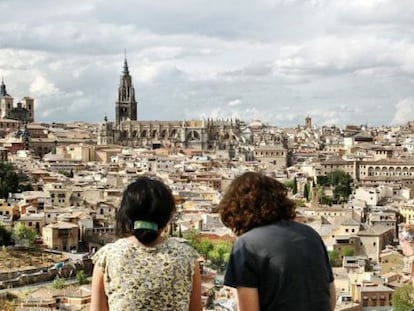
(126, 105)
(3, 91)
(126, 71)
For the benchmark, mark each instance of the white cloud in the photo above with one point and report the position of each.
(42, 87)
(234, 102)
(274, 60)
(404, 111)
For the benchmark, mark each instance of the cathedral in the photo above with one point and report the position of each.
(127, 130)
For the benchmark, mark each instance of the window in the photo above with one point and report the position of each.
(365, 301)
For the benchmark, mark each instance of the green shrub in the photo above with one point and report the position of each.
(403, 298)
(58, 283)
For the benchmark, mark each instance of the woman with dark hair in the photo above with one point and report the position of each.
(276, 263)
(143, 269)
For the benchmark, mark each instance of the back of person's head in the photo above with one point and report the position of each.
(147, 206)
(254, 200)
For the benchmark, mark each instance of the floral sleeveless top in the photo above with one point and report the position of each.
(147, 278)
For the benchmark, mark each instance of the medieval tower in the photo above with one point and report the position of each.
(126, 105)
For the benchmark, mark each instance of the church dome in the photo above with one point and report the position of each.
(256, 124)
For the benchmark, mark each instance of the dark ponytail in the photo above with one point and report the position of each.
(146, 236)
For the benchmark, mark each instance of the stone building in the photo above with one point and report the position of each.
(59, 194)
(274, 155)
(22, 111)
(62, 236)
(191, 134)
(373, 172)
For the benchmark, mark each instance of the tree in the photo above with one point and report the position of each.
(334, 258)
(347, 251)
(402, 298)
(193, 238)
(9, 180)
(25, 187)
(289, 184)
(220, 253)
(5, 236)
(205, 247)
(8, 184)
(217, 250)
(24, 234)
(341, 183)
(306, 192)
(295, 186)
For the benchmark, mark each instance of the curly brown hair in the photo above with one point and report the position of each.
(253, 200)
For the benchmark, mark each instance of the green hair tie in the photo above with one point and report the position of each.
(142, 224)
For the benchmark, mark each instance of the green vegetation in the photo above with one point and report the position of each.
(5, 236)
(299, 202)
(402, 298)
(306, 192)
(216, 250)
(347, 251)
(289, 184)
(25, 235)
(67, 174)
(335, 257)
(82, 277)
(340, 182)
(58, 283)
(11, 182)
(295, 186)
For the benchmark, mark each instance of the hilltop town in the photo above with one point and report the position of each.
(354, 185)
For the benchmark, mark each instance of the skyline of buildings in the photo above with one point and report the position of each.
(79, 169)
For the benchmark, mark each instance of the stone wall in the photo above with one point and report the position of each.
(33, 276)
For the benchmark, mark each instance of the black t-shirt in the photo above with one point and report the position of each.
(287, 262)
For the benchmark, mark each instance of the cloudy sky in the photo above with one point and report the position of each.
(338, 61)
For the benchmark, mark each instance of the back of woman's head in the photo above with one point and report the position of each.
(253, 200)
(147, 206)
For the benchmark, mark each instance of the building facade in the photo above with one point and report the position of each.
(22, 111)
(192, 134)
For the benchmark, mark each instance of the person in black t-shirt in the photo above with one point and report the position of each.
(276, 263)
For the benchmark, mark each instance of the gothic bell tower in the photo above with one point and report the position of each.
(126, 105)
